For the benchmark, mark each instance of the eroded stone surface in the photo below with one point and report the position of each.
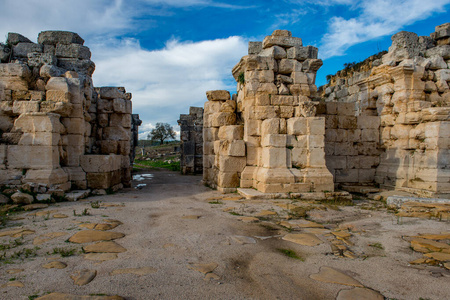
(88, 236)
(105, 247)
(305, 239)
(55, 265)
(100, 256)
(358, 294)
(331, 275)
(83, 277)
(47, 237)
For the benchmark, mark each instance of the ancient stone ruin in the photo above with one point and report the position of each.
(191, 136)
(59, 132)
(385, 124)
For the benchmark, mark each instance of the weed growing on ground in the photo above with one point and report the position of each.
(290, 253)
(215, 202)
(95, 204)
(85, 212)
(377, 245)
(64, 252)
(234, 213)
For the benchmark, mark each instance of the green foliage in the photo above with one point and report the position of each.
(241, 78)
(32, 297)
(173, 165)
(215, 202)
(234, 213)
(377, 245)
(95, 204)
(64, 252)
(161, 132)
(290, 253)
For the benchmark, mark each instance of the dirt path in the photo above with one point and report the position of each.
(185, 246)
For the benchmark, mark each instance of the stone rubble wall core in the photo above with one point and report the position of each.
(59, 132)
(386, 125)
(191, 136)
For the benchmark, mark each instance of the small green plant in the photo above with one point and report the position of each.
(32, 297)
(95, 204)
(64, 252)
(12, 279)
(47, 216)
(234, 213)
(377, 245)
(241, 78)
(85, 212)
(290, 253)
(215, 202)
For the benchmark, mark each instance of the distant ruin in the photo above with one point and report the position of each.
(191, 137)
(386, 124)
(59, 132)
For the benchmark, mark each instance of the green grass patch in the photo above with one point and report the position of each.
(290, 253)
(173, 166)
(64, 252)
(377, 245)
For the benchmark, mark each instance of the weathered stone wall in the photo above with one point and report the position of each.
(58, 132)
(268, 137)
(398, 111)
(191, 136)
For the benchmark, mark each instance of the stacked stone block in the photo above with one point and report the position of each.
(269, 138)
(51, 117)
(403, 107)
(223, 148)
(191, 136)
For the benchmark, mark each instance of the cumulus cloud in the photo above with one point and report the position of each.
(166, 82)
(377, 18)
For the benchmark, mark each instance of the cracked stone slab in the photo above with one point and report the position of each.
(331, 275)
(83, 277)
(358, 294)
(55, 265)
(305, 239)
(104, 247)
(88, 236)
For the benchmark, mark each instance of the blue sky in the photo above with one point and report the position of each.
(168, 53)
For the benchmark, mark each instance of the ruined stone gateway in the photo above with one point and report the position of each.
(59, 132)
(386, 124)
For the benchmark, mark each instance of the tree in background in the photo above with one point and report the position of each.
(161, 132)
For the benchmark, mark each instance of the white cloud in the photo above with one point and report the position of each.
(166, 82)
(378, 18)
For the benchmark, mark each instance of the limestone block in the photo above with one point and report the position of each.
(253, 155)
(22, 107)
(346, 176)
(22, 49)
(100, 163)
(263, 100)
(111, 92)
(228, 179)
(315, 141)
(236, 148)
(57, 96)
(75, 173)
(58, 84)
(254, 47)
(228, 106)
(210, 134)
(74, 125)
(312, 64)
(346, 148)
(275, 176)
(270, 126)
(104, 106)
(223, 119)
(287, 66)
(347, 122)
(36, 59)
(298, 126)
(283, 100)
(231, 132)
(208, 148)
(64, 109)
(72, 51)
(14, 70)
(119, 105)
(370, 135)
(316, 158)
(316, 125)
(286, 112)
(274, 140)
(257, 62)
(15, 38)
(299, 78)
(218, 95)
(282, 41)
(275, 157)
(252, 127)
(46, 176)
(301, 89)
(124, 148)
(109, 147)
(266, 88)
(342, 135)
(59, 37)
(212, 107)
(81, 66)
(48, 70)
(337, 162)
(103, 180)
(39, 139)
(259, 76)
(354, 135)
(6, 123)
(3, 149)
(264, 112)
(116, 133)
(231, 163)
(249, 173)
(275, 52)
(302, 53)
(368, 122)
(123, 120)
(38, 122)
(32, 157)
(368, 148)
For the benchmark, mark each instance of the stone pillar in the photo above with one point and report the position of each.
(191, 136)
